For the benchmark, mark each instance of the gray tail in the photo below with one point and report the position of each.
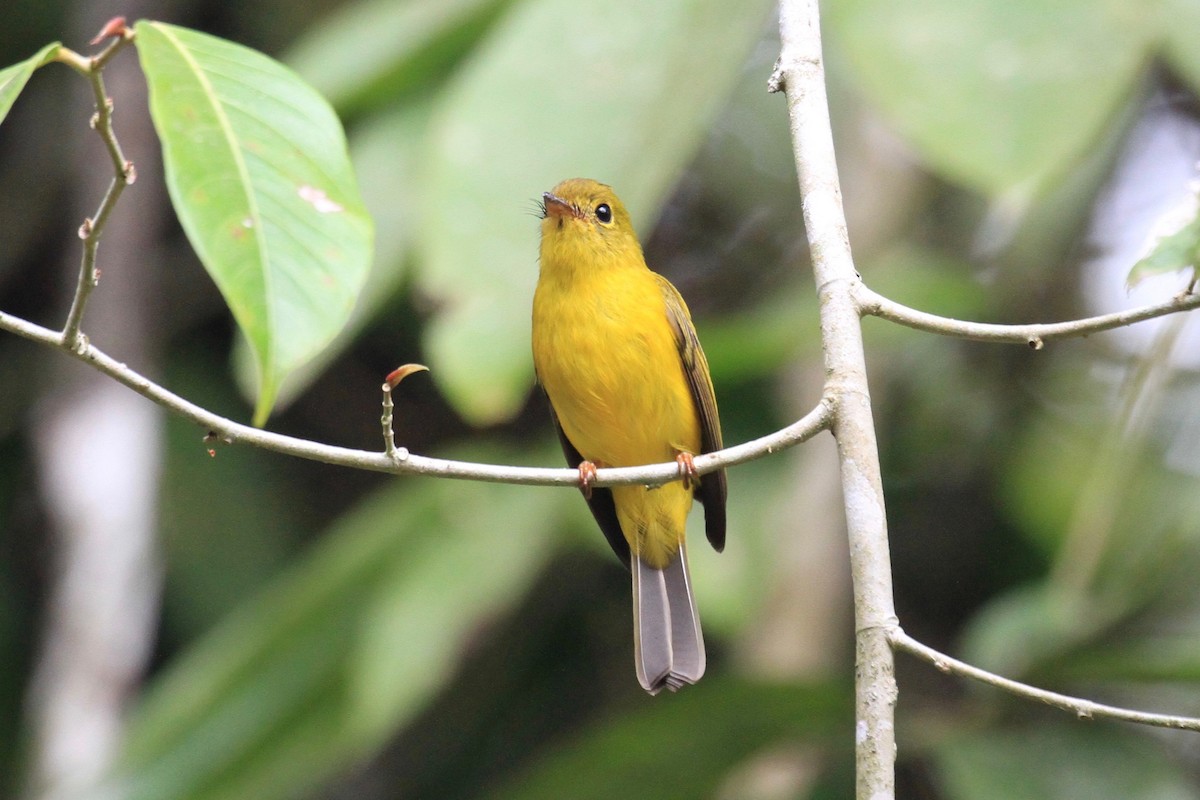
(668, 646)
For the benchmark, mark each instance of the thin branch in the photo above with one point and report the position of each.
(389, 384)
(1083, 709)
(402, 462)
(1034, 335)
(116, 30)
(800, 73)
(93, 227)
(385, 422)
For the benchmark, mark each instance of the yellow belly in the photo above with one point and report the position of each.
(607, 358)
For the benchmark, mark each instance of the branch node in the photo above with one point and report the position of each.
(777, 82)
(129, 173)
(211, 438)
(85, 230)
(1036, 343)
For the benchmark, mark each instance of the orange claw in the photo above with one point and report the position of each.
(687, 470)
(587, 476)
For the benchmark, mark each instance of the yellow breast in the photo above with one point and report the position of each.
(606, 355)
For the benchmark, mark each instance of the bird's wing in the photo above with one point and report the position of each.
(712, 489)
(604, 509)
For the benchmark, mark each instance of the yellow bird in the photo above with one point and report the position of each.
(615, 350)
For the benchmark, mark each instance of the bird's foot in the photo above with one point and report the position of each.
(587, 476)
(687, 470)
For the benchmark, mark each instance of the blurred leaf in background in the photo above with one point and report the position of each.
(344, 647)
(710, 732)
(999, 96)
(1060, 760)
(537, 102)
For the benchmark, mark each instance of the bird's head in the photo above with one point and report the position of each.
(583, 221)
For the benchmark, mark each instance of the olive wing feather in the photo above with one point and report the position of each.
(712, 490)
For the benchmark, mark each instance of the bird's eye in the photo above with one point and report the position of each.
(604, 213)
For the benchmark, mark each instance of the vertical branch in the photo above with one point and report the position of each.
(800, 73)
(125, 174)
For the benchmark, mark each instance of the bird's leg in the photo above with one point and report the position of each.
(587, 476)
(687, 470)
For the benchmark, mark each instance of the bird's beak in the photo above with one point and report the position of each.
(557, 207)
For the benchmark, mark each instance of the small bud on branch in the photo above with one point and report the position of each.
(113, 28)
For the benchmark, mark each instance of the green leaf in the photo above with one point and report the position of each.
(1000, 95)
(344, 648)
(1179, 251)
(685, 747)
(1059, 762)
(257, 170)
(368, 53)
(14, 78)
(604, 90)
(384, 149)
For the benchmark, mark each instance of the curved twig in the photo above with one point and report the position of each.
(1083, 709)
(1035, 335)
(402, 462)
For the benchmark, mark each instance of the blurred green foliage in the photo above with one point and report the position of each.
(339, 635)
